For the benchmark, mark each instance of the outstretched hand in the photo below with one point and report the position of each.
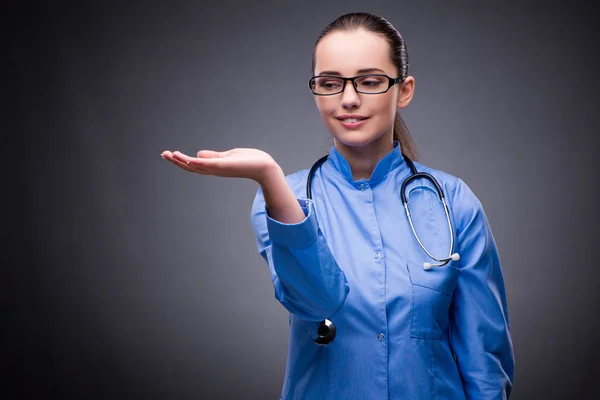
(235, 163)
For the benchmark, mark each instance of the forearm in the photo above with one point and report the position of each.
(280, 201)
(307, 279)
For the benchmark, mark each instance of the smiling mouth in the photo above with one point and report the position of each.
(352, 120)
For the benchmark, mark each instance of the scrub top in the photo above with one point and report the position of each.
(403, 332)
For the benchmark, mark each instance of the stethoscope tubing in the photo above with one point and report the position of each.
(326, 331)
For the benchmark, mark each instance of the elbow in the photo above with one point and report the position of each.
(332, 304)
(315, 307)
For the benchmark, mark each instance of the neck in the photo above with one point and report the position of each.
(364, 159)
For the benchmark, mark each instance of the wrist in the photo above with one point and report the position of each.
(271, 175)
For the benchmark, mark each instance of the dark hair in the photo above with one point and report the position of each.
(398, 55)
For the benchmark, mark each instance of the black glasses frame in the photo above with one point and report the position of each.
(391, 82)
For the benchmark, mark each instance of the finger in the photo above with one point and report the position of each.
(204, 166)
(183, 165)
(212, 154)
(197, 163)
(179, 163)
(181, 157)
(205, 162)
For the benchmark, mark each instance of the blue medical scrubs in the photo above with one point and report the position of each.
(403, 332)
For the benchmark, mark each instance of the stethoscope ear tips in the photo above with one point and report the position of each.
(454, 257)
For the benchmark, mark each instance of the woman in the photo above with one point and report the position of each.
(349, 255)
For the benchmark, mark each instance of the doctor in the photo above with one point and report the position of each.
(350, 256)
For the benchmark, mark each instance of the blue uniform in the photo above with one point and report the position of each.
(403, 332)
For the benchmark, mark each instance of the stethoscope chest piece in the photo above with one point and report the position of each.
(323, 334)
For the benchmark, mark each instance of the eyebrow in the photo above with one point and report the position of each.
(360, 71)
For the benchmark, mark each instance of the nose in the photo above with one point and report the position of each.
(350, 97)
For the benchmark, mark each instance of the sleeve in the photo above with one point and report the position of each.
(480, 330)
(307, 280)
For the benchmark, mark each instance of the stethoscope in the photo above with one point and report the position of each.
(325, 333)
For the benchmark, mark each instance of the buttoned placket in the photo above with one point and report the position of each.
(378, 262)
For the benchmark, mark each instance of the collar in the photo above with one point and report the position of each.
(389, 162)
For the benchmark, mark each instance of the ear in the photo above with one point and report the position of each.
(405, 92)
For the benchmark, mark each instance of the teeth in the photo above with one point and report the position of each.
(352, 120)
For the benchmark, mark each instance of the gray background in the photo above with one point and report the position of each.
(126, 277)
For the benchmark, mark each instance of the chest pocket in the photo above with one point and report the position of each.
(431, 297)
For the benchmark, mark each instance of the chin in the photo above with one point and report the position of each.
(355, 138)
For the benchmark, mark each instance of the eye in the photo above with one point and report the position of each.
(371, 83)
(329, 84)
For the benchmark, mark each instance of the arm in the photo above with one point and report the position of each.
(306, 278)
(480, 330)
(279, 198)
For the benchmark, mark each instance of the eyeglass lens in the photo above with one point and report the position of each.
(364, 84)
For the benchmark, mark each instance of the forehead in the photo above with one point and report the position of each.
(348, 51)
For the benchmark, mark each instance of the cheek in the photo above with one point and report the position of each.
(327, 110)
(325, 106)
(385, 107)
(386, 104)
(386, 115)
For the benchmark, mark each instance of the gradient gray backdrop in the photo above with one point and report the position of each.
(126, 277)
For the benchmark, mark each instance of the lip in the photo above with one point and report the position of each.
(354, 124)
(344, 116)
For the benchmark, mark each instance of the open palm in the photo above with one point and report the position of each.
(236, 163)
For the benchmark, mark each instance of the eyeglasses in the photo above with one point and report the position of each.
(327, 85)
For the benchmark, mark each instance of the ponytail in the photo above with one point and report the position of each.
(402, 135)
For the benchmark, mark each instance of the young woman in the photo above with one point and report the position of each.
(372, 314)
